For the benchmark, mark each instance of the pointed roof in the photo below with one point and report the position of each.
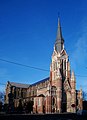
(59, 44)
(73, 76)
(59, 31)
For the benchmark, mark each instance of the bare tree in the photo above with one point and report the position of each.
(1, 100)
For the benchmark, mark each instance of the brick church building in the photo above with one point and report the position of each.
(55, 94)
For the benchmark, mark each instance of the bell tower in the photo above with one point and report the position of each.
(60, 70)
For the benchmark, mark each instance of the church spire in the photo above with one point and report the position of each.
(59, 32)
(59, 39)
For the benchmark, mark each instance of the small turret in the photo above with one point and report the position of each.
(73, 93)
(73, 81)
(73, 77)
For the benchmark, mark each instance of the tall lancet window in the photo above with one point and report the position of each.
(65, 64)
(54, 67)
(38, 101)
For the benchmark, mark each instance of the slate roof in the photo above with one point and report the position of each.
(41, 81)
(19, 85)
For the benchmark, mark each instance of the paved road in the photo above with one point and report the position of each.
(42, 117)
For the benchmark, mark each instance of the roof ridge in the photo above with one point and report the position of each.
(40, 81)
(19, 83)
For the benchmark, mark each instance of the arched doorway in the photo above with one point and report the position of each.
(53, 104)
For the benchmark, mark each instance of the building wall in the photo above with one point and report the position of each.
(56, 94)
(53, 96)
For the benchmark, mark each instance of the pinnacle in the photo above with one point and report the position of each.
(72, 76)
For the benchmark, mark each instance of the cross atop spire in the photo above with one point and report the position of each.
(59, 39)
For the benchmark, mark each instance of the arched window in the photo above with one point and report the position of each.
(53, 90)
(39, 102)
(53, 101)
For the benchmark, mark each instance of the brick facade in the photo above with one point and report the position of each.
(54, 94)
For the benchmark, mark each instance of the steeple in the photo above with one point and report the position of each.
(59, 32)
(59, 39)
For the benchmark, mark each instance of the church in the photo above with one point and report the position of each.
(55, 94)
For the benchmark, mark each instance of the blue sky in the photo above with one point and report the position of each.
(28, 32)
